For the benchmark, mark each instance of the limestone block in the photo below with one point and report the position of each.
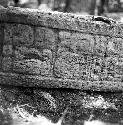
(19, 34)
(45, 38)
(7, 63)
(7, 50)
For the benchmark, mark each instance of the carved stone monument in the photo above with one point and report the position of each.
(70, 57)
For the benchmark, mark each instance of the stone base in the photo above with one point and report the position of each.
(81, 105)
(50, 82)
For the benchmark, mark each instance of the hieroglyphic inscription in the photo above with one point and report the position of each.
(87, 57)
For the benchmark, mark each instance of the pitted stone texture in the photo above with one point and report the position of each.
(65, 21)
(45, 38)
(8, 36)
(1, 62)
(115, 46)
(84, 67)
(76, 42)
(7, 50)
(100, 45)
(1, 43)
(115, 67)
(23, 52)
(67, 66)
(19, 34)
(1, 38)
(87, 57)
(50, 82)
(33, 66)
(7, 64)
(70, 51)
(71, 47)
(33, 61)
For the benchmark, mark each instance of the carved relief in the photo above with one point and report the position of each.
(19, 34)
(33, 61)
(70, 55)
(89, 57)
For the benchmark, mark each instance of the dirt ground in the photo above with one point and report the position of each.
(27, 106)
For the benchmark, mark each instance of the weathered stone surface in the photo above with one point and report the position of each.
(19, 34)
(1, 37)
(7, 50)
(49, 82)
(33, 66)
(88, 57)
(62, 21)
(1, 43)
(64, 46)
(45, 38)
(67, 66)
(74, 55)
(100, 45)
(33, 61)
(1, 62)
(8, 34)
(64, 54)
(76, 42)
(115, 46)
(23, 52)
(7, 63)
(89, 67)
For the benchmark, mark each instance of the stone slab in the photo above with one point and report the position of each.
(66, 21)
(49, 82)
(56, 49)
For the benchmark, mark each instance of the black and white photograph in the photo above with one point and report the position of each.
(61, 62)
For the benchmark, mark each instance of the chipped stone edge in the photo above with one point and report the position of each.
(59, 20)
(48, 82)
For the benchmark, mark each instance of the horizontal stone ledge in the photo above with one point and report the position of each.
(47, 82)
(65, 21)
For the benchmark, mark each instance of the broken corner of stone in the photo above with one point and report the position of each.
(60, 50)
